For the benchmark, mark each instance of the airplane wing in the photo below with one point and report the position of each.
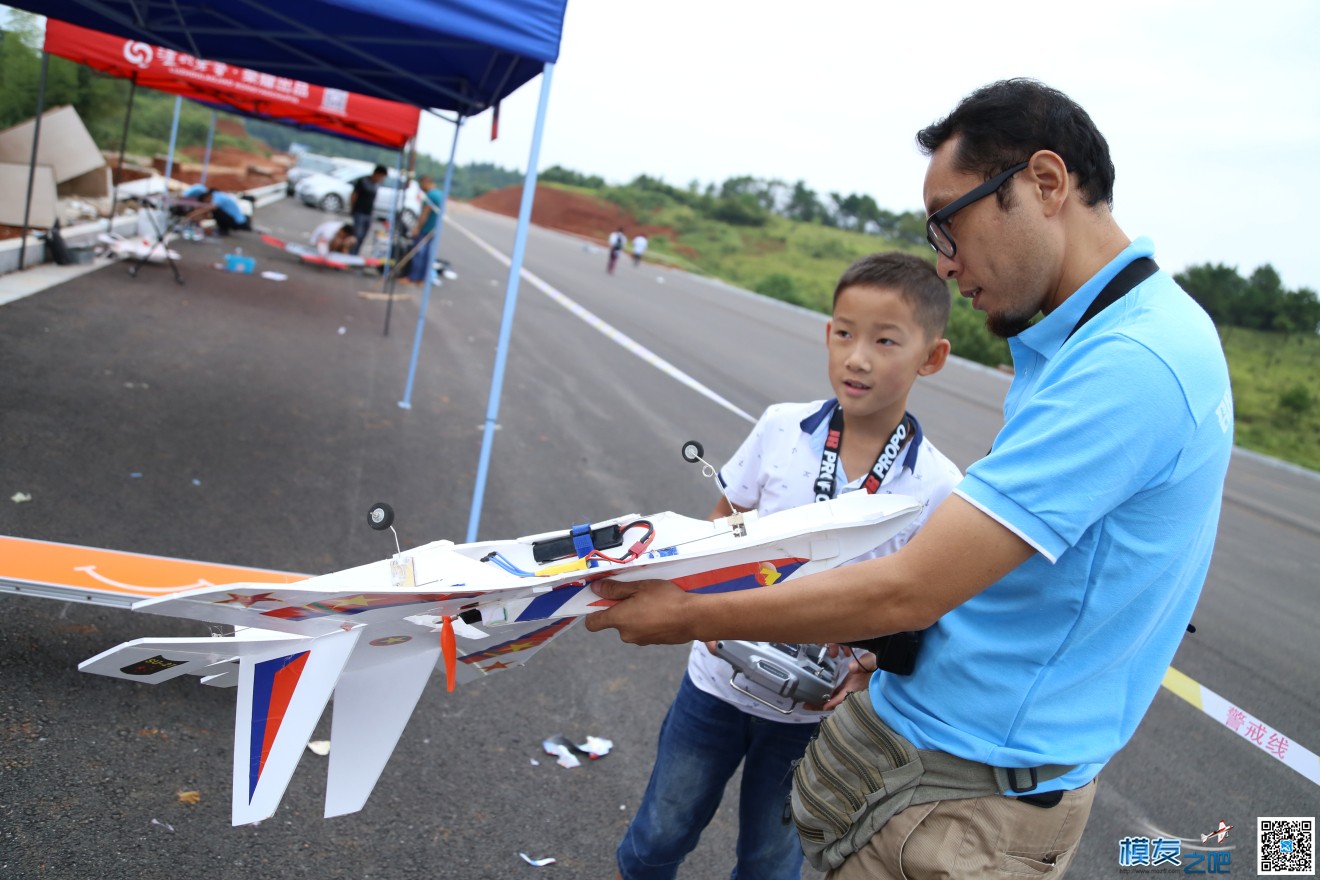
(373, 634)
(313, 257)
(73, 573)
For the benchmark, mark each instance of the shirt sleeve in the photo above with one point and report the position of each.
(1089, 438)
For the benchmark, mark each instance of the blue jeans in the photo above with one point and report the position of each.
(361, 226)
(421, 261)
(702, 741)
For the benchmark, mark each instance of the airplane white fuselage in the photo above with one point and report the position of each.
(373, 635)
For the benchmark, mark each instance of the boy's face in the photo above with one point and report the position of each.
(876, 351)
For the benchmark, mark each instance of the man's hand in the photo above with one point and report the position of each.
(648, 612)
(860, 670)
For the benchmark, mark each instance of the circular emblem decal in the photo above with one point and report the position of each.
(386, 641)
(138, 53)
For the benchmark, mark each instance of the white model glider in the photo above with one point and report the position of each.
(372, 635)
(147, 249)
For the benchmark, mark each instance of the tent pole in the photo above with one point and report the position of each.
(174, 137)
(32, 165)
(123, 148)
(210, 138)
(428, 253)
(394, 235)
(510, 303)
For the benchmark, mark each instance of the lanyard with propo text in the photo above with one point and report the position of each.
(829, 457)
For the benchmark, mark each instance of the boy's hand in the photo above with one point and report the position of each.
(648, 612)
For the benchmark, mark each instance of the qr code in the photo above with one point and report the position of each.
(1285, 846)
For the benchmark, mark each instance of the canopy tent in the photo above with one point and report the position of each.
(238, 89)
(458, 55)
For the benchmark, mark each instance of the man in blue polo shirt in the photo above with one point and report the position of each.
(1059, 578)
(223, 208)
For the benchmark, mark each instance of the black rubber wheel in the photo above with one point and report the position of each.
(693, 451)
(381, 516)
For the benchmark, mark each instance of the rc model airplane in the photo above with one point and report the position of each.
(314, 257)
(372, 635)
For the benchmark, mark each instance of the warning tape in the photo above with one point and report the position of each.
(1245, 725)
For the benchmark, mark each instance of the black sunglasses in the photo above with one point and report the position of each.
(938, 235)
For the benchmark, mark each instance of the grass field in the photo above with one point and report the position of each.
(1276, 393)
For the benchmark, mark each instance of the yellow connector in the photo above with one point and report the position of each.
(571, 565)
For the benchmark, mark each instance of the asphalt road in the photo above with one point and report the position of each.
(262, 418)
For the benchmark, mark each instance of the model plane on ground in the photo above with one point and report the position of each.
(313, 257)
(372, 635)
(149, 250)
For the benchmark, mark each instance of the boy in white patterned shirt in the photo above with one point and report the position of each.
(887, 328)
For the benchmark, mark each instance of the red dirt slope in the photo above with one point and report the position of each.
(555, 208)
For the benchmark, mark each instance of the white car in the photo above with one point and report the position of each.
(332, 192)
(307, 164)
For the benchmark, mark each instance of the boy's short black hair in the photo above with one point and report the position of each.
(915, 280)
(379, 169)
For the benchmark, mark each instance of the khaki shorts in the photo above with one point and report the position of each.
(974, 838)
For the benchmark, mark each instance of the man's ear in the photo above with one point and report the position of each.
(1050, 181)
(935, 360)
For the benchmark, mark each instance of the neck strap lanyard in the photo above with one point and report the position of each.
(827, 478)
(1128, 277)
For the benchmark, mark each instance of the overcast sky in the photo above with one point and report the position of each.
(1211, 109)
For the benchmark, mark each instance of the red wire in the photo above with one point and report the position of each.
(635, 550)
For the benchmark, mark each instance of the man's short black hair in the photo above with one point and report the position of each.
(915, 280)
(1004, 123)
(379, 169)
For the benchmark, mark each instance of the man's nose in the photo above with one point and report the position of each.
(946, 267)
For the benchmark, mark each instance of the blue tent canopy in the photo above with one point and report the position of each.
(458, 55)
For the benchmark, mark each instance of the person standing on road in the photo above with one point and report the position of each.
(639, 248)
(886, 330)
(423, 246)
(1058, 579)
(362, 202)
(617, 242)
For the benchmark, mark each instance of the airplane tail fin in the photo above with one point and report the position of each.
(283, 684)
(281, 695)
(374, 699)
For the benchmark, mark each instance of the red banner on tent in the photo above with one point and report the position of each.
(387, 123)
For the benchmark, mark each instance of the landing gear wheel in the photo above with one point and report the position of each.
(381, 516)
(693, 452)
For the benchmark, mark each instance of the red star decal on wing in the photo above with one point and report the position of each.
(247, 601)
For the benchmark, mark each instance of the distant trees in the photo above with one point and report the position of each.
(1260, 302)
(99, 99)
(568, 177)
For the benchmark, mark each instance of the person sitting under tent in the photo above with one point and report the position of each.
(223, 209)
(334, 236)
